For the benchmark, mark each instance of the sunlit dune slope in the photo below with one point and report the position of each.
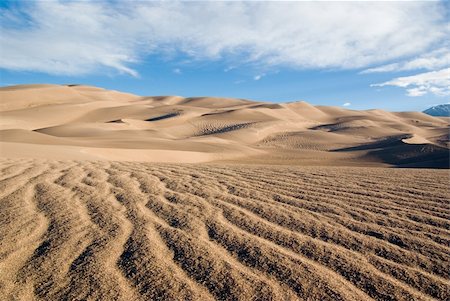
(82, 122)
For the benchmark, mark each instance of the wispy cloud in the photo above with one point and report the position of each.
(434, 60)
(72, 37)
(228, 69)
(177, 71)
(259, 76)
(346, 104)
(434, 82)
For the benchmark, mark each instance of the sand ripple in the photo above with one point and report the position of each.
(78, 230)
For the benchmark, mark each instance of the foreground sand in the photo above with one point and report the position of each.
(79, 230)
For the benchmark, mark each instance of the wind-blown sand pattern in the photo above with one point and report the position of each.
(80, 230)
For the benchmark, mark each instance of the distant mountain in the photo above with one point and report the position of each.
(439, 110)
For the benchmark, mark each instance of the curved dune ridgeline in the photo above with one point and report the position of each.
(99, 230)
(76, 122)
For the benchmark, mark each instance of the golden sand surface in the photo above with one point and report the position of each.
(103, 230)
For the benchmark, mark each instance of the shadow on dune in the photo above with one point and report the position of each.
(394, 151)
(165, 116)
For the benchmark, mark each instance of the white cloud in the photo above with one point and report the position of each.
(346, 104)
(436, 59)
(66, 37)
(434, 82)
(258, 76)
(177, 71)
(414, 92)
(227, 69)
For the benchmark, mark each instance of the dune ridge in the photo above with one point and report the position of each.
(83, 122)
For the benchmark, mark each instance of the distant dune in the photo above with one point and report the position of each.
(82, 122)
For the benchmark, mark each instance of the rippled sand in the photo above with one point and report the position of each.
(79, 230)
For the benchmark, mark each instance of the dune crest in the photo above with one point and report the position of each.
(42, 121)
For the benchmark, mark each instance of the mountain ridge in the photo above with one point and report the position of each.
(442, 110)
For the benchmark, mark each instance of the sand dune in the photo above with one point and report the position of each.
(77, 222)
(98, 230)
(42, 121)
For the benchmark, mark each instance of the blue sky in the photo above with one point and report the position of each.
(390, 55)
